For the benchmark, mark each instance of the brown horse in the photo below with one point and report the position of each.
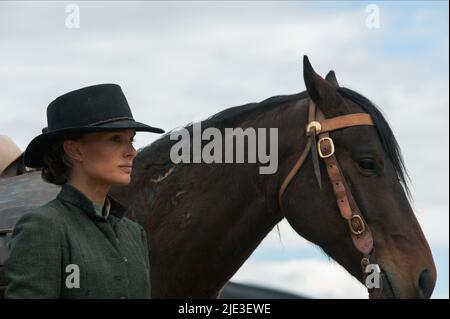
(204, 220)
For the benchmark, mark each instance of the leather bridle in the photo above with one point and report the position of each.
(319, 127)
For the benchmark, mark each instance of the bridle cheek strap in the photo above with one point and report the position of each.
(320, 126)
(361, 234)
(299, 163)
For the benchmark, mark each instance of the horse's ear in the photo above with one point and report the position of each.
(331, 77)
(318, 88)
(322, 92)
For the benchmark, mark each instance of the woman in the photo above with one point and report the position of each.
(80, 245)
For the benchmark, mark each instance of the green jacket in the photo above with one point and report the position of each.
(64, 250)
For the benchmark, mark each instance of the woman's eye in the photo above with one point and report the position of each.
(116, 138)
(120, 139)
(367, 164)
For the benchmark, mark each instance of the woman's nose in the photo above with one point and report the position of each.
(131, 151)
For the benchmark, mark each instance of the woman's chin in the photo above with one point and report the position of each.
(125, 179)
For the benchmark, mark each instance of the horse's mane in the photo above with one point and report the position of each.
(157, 152)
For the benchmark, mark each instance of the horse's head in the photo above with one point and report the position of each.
(371, 164)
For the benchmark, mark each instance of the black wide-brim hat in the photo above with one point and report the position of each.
(94, 108)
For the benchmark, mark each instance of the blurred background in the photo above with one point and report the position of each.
(183, 61)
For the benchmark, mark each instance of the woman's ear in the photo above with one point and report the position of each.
(73, 150)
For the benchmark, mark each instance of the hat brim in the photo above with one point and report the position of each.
(41, 143)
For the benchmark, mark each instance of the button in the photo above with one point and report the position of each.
(123, 297)
(125, 259)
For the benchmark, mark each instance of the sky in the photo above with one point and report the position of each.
(179, 62)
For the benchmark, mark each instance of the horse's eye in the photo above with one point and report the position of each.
(367, 164)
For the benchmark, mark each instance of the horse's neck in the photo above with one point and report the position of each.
(207, 236)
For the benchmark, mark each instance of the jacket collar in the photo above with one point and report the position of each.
(72, 195)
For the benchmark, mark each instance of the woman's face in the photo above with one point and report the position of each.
(106, 157)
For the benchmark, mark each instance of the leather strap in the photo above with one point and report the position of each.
(359, 230)
(347, 205)
(326, 125)
(301, 159)
(312, 131)
(345, 121)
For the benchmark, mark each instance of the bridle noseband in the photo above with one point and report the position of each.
(318, 127)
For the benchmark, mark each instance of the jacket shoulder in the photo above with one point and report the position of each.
(48, 213)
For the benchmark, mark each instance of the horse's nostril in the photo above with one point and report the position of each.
(426, 284)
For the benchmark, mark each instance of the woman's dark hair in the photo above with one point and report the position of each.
(57, 164)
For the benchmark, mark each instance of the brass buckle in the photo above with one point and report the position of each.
(361, 222)
(314, 124)
(331, 145)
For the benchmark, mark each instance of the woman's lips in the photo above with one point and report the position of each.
(126, 169)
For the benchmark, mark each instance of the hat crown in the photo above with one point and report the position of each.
(96, 108)
(88, 106)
